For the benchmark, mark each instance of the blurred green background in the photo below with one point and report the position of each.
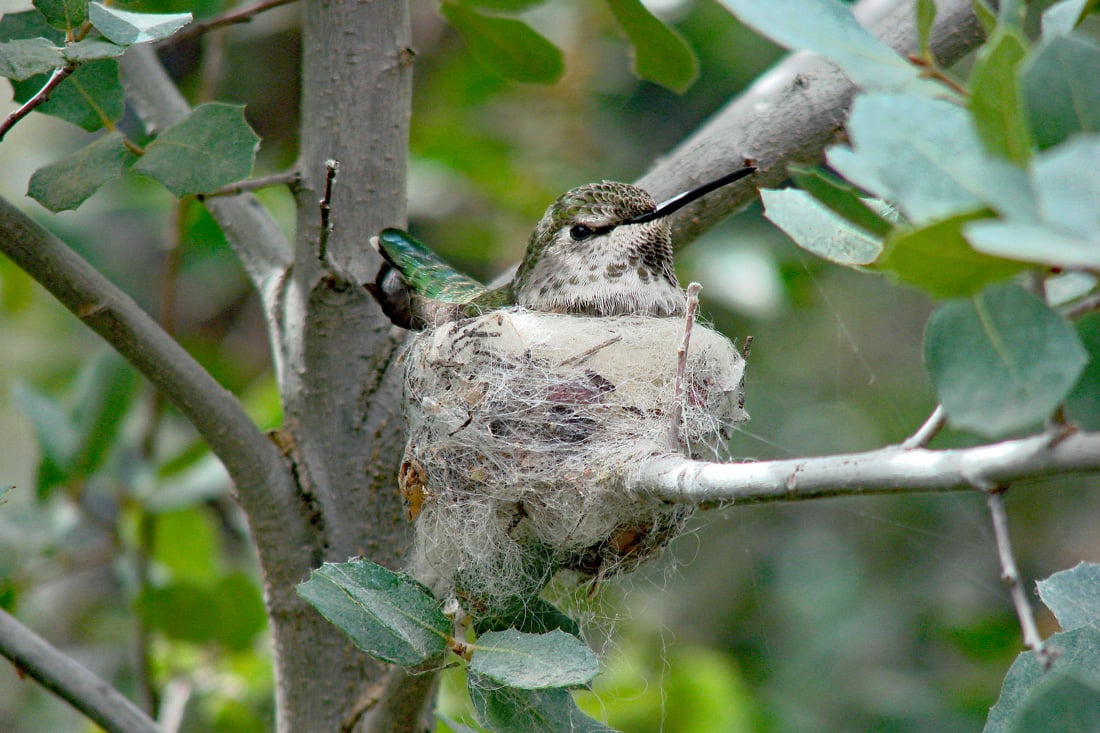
(877, 614)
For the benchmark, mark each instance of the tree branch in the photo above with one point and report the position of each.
(34, 656)
(790, 114)
(891, 470)
(263, 482)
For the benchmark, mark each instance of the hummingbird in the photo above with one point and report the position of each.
(602, 249)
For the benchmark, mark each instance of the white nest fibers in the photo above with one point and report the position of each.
(521, 426)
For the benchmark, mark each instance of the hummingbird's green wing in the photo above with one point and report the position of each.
(424, 272)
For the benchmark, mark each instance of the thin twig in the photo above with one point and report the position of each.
(332, 167)
(282, 178)
(59, 75)
(35, 657)
(240, 15)
(928, 430)
(681, 364)
(1011, 576)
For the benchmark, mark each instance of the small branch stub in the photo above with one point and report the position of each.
(332, 167)
(681, 365)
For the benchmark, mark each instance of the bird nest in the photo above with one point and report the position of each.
(521, 428)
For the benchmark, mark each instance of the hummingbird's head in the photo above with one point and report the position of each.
(585, 256)
(605, 249)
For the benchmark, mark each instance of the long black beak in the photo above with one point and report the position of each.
(681, 200)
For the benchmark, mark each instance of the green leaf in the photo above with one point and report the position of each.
(66, 15)
(67, 183)
(510, 710)
(841, 199)
(211, 147)
(1066, 181)
(90, 97)
(986, 14)
(828, 28)
(661, 55)
(1002, 360)
(507, 47)
(926, 18)
(1074, 596)
(28, 24)
(1062, 17)
(938, 259)
(1058, 704)
(996, 97)
(1027, 680)
(56, 434)
(91, 49)
(1083, 403)
(106, 390)
(1060, 89)
(530, 615)
(181, 610)
(23, 59)
(389, 616)
(502, 6)
(924, 156)
(126, 28)
(534, 661)
(239, 607)
(815, 228)
(186, 542)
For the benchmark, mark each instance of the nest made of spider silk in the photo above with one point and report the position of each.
(521, 426)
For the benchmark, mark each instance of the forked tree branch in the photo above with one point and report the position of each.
(35, 657)
(891, 470)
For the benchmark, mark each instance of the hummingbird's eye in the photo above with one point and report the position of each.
(580, 232)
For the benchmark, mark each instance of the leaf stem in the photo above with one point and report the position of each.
(928, 430)
(59, 75)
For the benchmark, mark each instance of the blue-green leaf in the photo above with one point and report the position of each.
(91, 49)
(67, 183)
(1060, 89)
(90, 97)
(211, 147)
(1028, 683)
(66, 15)
(828, 28)
(507, 47)
(1002, 360)
(661, 55)
(1062, 17)
(924, 156)
(1066, 232)
(126, 28)
(1074, 596)
(388, 615)
(29, 57)
(510, 710)
(533, 661)
(816, 228)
